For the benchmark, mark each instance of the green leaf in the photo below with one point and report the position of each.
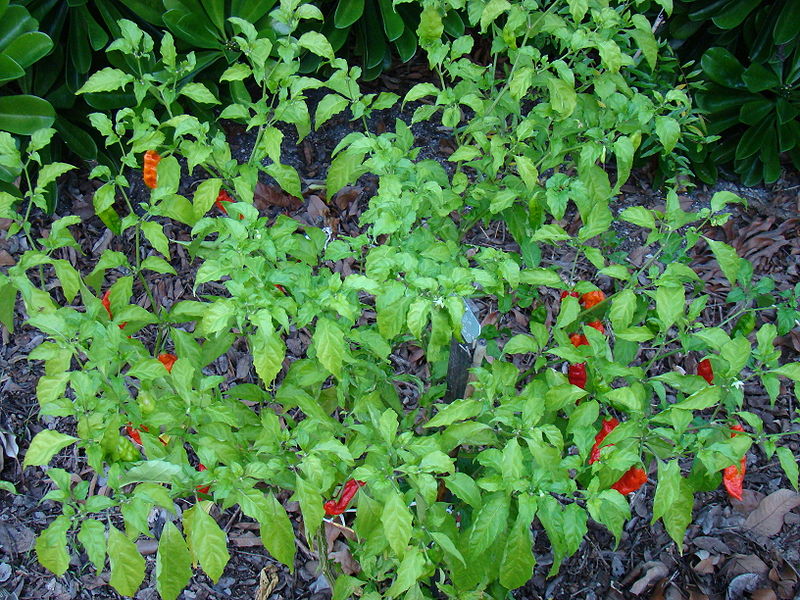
(92, 536)
(667, 488)
(199, 93)
(330, 346)
(207, 541)
(347, 13)
(563, 98)
(516, 566)
(679, 514)
(204, 197)
(431, 26)
(396, 519)
(611, 509)
(521, 344)
(639, 215)
(28, 48)
(668, 131)
(310, 505)
(623, 307)
(24, 114)
(51, 546)
(173, 563)
(722, 67)
(277, 533)
(127, 565)
(155, 235)
(158, 264)
(105, 80)
(331, 104)
(268, 352)
(490, 522)
(728, 260)
(670, 302)
(68, 277)
(344, 169)
(287, 178)
(44, 446)
(789, 464)
(316, 43)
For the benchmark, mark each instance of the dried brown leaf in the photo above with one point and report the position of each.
(745, 563)
(764, 594)
(653, 571)
(271, 195)
(267, 581)
(767, 519)
(342, 555)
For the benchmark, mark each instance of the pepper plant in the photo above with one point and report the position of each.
(441, 497)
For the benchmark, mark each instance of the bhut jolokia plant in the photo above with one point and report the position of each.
(450, 491)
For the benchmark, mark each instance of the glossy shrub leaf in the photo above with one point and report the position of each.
(28, 48)
(25, 114)
(723, 68)
(348, 12)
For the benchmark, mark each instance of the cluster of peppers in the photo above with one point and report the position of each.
(577, 373)
(732, 476)
(633, 478)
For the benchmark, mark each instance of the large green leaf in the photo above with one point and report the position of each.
(348, 12)
(735, 12)
(29, 47)
(9, 69)
(16, 21)
(173, 563)
(723, 68)
(127, 565)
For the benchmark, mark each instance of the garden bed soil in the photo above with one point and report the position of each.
(747, 549)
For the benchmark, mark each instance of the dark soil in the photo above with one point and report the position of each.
(724, 555)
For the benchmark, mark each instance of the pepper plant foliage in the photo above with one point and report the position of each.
(450, 490)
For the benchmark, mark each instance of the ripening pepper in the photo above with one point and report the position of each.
(590, 299)
(167, 360)
(202, 489)
(577, 375)
(706, 371)
(223, 196)
(597, 325)
(149, 166)
(133, 433)
(733, 476)
(565, 293)
(578, 339)
(106, 302)
(337, 507)
(633, 478)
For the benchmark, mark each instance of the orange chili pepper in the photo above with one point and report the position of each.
(223, 196)
(733, 476)
(578, 339)
(149, 165)
(590, 299)
(167, 360)
(597, 325)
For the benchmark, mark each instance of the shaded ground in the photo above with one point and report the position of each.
(746, 549)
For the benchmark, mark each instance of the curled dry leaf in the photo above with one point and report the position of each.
(764, 594)
(737, 588)
(267, 581)
(651, 572)
(271, 195)
(745, 563)
(767, 519)
(341, 555)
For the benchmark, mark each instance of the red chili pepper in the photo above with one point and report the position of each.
(733, 476)
(202, 489)
(106, 302)
(577, 375)
(578, 339)
(223, 196)
(348, 491)
(706, 371)
(606, 428)
(149, 172)
(590, 299)
(167, 360)
(133, 433)
(633, 479)
(598, 325)
(565, 293)
(280, 288)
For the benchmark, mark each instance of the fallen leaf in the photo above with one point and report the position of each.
(347, 195)
(342, 555)
(767, 519)
(745, 563)
(267, 580)
(6, 260)
(741, 584)
(653, 571)
(764, 594)
(271, 195)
